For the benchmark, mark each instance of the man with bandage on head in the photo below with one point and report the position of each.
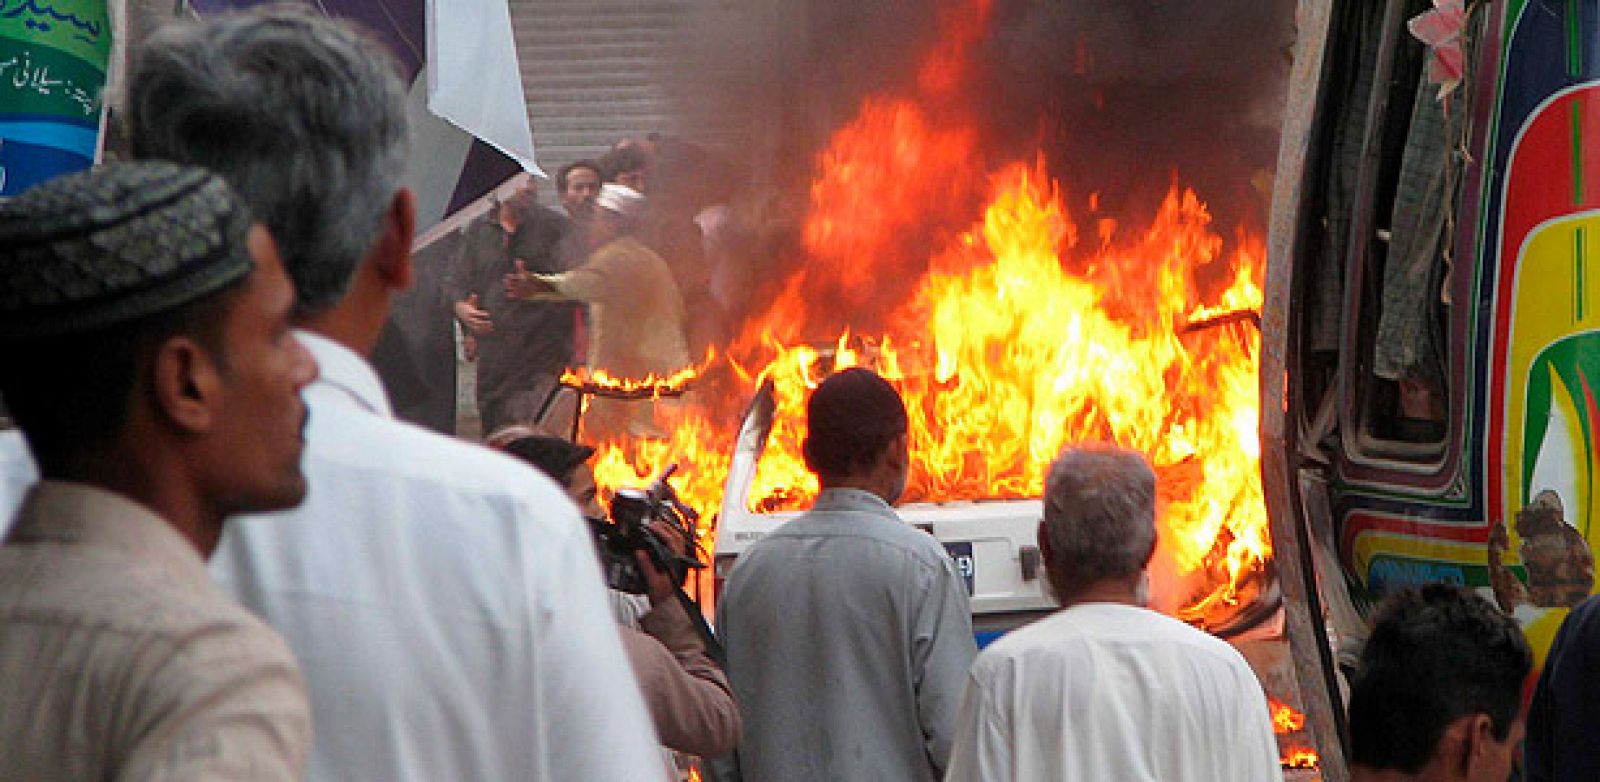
(635, 307)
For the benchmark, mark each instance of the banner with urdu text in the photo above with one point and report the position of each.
(53, 59)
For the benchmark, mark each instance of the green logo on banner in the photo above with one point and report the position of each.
(53, 56)
(53, 60)
(79, 28)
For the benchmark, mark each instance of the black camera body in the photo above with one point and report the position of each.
(628, 531)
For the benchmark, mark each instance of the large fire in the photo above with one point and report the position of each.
(1024, 332)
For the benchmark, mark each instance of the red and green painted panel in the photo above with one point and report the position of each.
(1539, 250)
(53, 59)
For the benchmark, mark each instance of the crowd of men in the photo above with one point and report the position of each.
(185, 341)
(536, 291)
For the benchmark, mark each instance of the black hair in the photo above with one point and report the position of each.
(552, 456)
(73, 393)
(566, 173)
(851, 419)
(1436, 654)
(621, 160)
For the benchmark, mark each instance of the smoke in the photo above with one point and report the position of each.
(1121, 96)
(773, 80)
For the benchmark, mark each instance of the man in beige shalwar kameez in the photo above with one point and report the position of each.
(635, 307)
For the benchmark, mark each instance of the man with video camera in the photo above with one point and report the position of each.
(686, 693)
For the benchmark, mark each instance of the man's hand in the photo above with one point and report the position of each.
(661, 584)
(473, 318)
(522, 284)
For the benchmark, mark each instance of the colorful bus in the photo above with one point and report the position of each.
(1431, 334)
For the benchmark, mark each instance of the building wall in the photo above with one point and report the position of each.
(596, 71)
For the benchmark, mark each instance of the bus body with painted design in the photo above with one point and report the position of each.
(1431, 334)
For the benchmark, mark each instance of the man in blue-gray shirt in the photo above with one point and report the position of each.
(848, 632)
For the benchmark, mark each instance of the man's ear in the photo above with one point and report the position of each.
(1483, 747)
(392, 254)
(900, 451)
(1464, 743)
(185, 385)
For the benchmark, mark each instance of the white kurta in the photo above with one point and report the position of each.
(445, 604)
(1104, 691)
(443, 600)
(17, 474)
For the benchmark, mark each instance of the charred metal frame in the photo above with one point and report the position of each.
(1303, 624)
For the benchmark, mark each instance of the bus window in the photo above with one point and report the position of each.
(1353, 54)
(1402, 231)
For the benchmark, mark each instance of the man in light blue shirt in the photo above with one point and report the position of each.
(848, 632)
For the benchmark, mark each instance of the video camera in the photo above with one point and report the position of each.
(628, 531)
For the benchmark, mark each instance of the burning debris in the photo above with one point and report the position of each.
(601, 383)
(1287, 721)
(1302, 758)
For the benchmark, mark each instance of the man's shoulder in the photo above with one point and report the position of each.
(1083, 627)
(1581, 629)
(853, 527)
(70, 589)
(1074, 645)
(859, 536)
(552, 219)
(349, 449)
(540, 230)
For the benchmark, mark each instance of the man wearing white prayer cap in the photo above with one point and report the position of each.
(635, 307)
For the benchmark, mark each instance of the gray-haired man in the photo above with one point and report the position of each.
(1108, 689)
(440, 597)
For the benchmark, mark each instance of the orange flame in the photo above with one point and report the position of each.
(1012, 339)
(650, 386)
(1284, 718)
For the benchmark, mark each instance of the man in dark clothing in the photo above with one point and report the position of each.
(577, 185)
(1437, 696)
(522, 346)
(1564, 717)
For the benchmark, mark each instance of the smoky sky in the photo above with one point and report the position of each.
(1118, 94)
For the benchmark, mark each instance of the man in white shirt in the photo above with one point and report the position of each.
(1108, 689)
(444, 600)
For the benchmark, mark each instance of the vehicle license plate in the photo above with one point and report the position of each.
(961, 554)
